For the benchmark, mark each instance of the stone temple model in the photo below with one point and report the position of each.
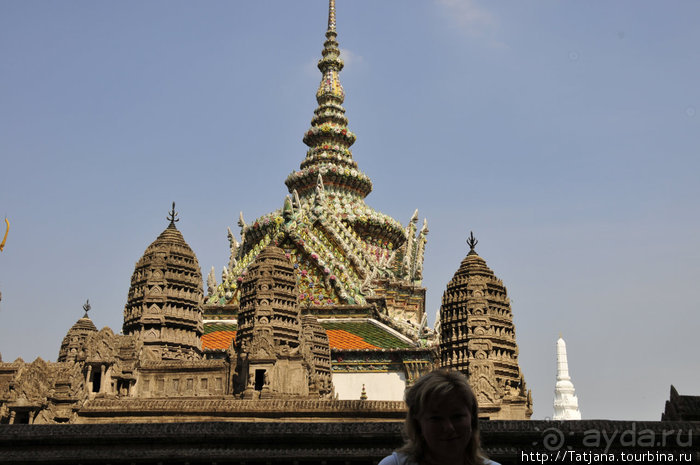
(477, 337)
(320, 314)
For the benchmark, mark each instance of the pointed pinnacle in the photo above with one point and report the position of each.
(331, 15)
(472, 242)
(172, 216)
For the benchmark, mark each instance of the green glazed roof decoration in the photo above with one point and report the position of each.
(369, 333)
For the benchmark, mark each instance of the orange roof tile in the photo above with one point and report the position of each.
(374, 336)
(218, 339)
(341, 339)
(341, 335)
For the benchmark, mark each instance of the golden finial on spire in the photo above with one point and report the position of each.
(331, 15)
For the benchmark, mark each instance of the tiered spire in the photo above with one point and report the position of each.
(565, 402)
(164, 297)
(329, 138)
(76, 337)
(344, 250)
(477, 337)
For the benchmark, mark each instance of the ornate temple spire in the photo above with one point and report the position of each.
(331, 15)
(329, 138)
(565, 402)
(163, 304)
(477, 337)
(76, 337)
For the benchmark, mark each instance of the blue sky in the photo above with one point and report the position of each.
(566, 135)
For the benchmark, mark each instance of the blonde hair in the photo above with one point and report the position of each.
(438, 384)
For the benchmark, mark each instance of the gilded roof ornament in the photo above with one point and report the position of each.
(4, 239)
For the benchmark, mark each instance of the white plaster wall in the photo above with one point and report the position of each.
(379, 386)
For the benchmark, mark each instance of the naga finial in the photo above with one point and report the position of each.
(86, 307)
(472, 241)
(172, 216)
(4, 239)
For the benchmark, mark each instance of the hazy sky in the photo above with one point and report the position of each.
(566, 135)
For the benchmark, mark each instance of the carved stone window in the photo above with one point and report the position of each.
(21, 417)
(259, 379)
(96, 380)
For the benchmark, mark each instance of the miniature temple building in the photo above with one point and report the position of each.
(357, 270)
(477, 337)
(342, 249)
(163, 306)
(320, 314)
(278, 350)
(76, 337)
(565, 400)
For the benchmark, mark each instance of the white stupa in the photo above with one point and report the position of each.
(565, 402)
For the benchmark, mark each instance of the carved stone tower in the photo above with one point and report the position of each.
(76, 337)
(477, 337)
(317, 340)
(163, 306)
(277, 352)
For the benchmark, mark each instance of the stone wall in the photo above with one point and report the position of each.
(348, 443)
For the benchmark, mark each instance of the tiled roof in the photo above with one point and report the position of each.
(341, 339)
(341, 335)
(361, 335)
(218, 335)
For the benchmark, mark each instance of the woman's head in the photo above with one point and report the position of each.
(442, 421)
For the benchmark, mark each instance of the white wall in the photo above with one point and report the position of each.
(379, 386)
